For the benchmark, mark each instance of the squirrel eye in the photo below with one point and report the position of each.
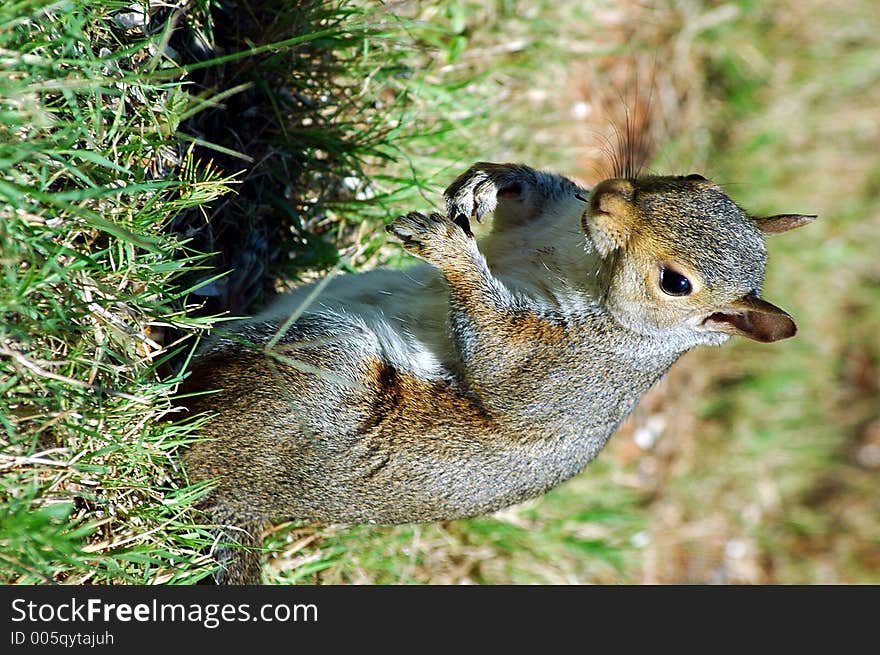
(674, 284)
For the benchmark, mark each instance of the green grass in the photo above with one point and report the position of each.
(91, 489)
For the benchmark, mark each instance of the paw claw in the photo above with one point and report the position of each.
(431, 237)
(476, 192)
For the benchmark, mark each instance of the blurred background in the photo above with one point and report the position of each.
(280, 137)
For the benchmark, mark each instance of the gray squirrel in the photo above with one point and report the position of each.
(483, 377)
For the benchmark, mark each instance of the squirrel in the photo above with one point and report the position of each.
(484, 376)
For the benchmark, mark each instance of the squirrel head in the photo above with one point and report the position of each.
(680, 258)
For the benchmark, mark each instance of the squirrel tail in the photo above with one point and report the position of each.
(238, 552)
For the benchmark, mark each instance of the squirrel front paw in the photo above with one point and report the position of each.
(477, 191)
(433, 238)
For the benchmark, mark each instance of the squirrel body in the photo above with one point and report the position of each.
(486, 375)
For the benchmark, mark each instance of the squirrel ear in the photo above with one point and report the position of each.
(753, 318)
(782, 222)
(608, 219)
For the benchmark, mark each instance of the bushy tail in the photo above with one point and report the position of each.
(238, 552)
